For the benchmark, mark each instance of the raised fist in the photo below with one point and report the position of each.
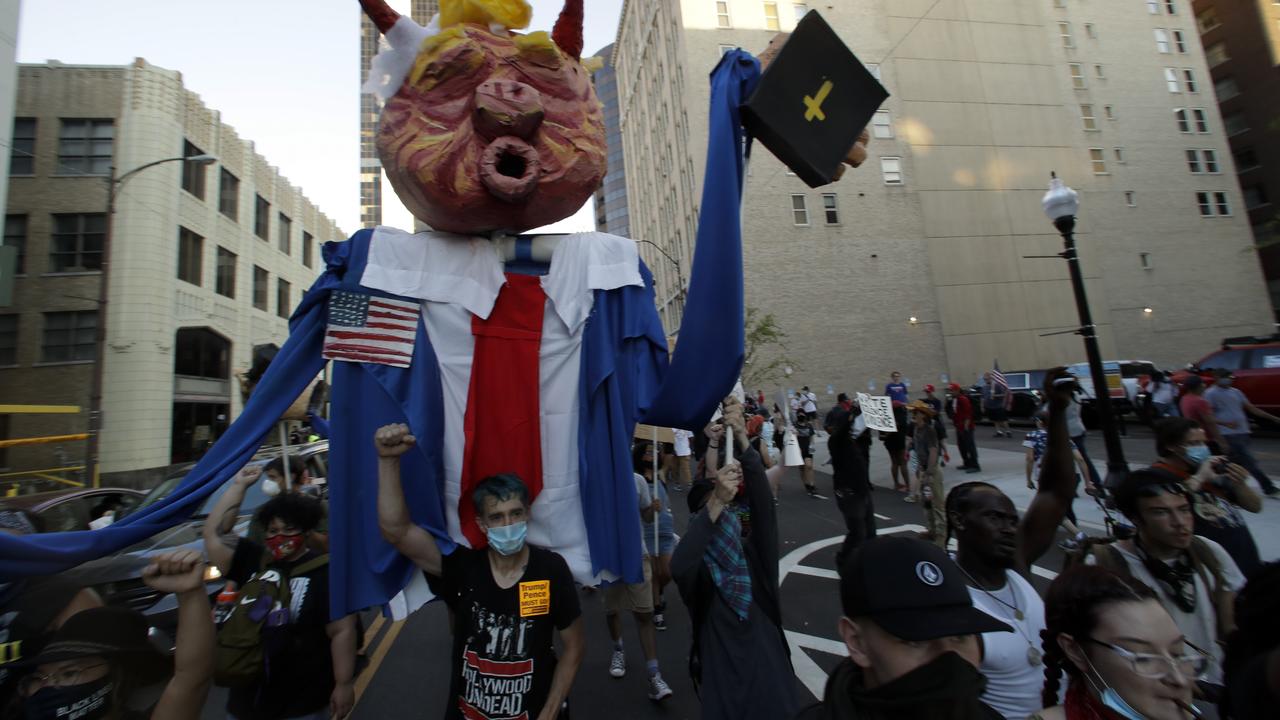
(393, 440)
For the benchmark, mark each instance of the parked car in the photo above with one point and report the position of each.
(1255, 363)
(1025, 386)
(74, 509)
(1134, 376)
(118, 578)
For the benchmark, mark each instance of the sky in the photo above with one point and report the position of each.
(284, 73)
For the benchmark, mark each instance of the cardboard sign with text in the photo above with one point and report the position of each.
(878, 412)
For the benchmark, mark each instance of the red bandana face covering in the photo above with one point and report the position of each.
(283, 546)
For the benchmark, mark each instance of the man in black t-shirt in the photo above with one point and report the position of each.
(508, 599)
(310, 660)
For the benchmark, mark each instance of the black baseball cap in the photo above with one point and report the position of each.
(912, 589)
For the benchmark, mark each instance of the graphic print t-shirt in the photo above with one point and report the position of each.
(503, 654)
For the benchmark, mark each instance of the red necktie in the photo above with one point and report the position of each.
(503, 424)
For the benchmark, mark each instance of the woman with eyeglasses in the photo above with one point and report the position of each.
(101, 666)
(1124, 657)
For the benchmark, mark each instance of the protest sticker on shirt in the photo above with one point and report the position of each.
(535, 598)
(878, 411)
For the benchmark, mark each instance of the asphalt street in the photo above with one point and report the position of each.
(407, 673)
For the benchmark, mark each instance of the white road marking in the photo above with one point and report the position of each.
(816, 572)
(808, 671)
(881, 517)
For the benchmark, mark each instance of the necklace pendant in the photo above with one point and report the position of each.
(1034, 656)
(1017, 614)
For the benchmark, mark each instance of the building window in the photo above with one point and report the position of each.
(1162, 40)
(829, 207)
(284, 239)
(800, 9)
(1216, 54)
(1211, 203)
(1087, 118)
(229, 195)
(874, 69)
(15, 233)
(1193, 161)
(283, 305)
(1153, 7)
(1226, 89)
(22, 149)
(1109, 112)
(1255, 196)
(799, 210)
(1246, 160)
(192, 172)
(69, 336)
(724, 49)
(1099, 159)
(882, 124)
(1171, 81)
(1077, 75)
(307, 243)
(8, 340)
(1179, 43)
(1144, 260)
(1130, 198)
(1097, 70)
(891, 170)
(259, 288)
(1091, 31)
(722, 14)
(77, 242)
(1210, 158)
(261, 217)
(225, 283)
(84, 147)
(1171, 7)
(1064, 31)
(1208, 21)
(190, 256)
(1189, 78)
(1119, 152)
(1235, 123)
(1180, 114)
(1202, 122)
(771, 16)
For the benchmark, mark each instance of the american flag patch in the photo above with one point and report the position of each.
(370, 329)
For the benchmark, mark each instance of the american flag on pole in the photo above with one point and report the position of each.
(363, 328)
(1000, 385)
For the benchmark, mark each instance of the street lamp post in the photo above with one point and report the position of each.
(100, 333)
(1061, 204)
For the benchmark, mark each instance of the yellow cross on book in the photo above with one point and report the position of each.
(813, 105)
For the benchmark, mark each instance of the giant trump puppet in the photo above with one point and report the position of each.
(502, 352)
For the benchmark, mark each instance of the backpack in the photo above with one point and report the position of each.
(263, 602)
(1202, 560)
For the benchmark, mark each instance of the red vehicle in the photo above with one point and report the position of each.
(1255, 363)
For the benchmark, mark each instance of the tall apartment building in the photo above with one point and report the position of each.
(1242, 47)
(611, 198)
(370, 109)
(206, 262)
(919, 261)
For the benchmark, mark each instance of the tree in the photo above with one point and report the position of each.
(766, 347)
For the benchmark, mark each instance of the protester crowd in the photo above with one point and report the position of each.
(1172, 617)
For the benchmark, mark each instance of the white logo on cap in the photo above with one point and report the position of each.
(928, 573)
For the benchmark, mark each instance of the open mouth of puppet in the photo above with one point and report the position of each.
(509, 168)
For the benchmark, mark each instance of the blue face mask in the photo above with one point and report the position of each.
(508, 539)
(1197, 454)
(1110, 698)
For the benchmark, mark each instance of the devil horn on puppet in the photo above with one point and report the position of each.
(567, 33)
(385, 18)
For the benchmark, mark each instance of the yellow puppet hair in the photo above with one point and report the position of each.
(511, 14)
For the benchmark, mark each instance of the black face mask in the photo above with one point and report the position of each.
(947, 688)
(86, 701)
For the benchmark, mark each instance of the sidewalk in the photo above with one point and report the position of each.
(1006, 469)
